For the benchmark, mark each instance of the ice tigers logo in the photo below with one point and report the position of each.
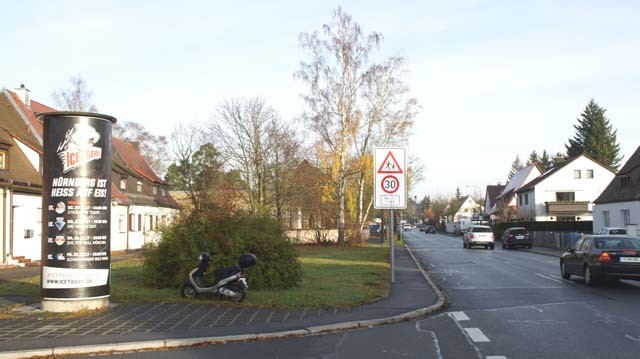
(78, 147)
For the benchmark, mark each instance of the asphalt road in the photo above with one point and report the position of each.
(503, 304)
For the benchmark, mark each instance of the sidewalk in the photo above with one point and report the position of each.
(162, 325)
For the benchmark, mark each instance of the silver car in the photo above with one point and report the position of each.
(478, 235)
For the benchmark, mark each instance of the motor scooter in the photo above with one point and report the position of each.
(230, 282)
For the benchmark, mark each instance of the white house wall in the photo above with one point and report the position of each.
(615, 214)
(27, 225)
(4, 220)
(119, 228)
(146, 234)
(585, 189)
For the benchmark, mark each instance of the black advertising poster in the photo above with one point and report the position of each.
(76, 205)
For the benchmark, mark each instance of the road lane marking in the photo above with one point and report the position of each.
(563, 280)
(549, 278)
(497, 357)
(633, 338)
(477, 335)
(459, 316)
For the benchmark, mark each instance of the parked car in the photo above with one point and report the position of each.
(613, 231)
(406, 227)
(478, 235)
(516, 237)
(601, 257)
(374, 229)
(430, 229)
(422, 227)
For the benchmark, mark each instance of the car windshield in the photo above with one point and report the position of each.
(518, 231)
(617, 243)
(618, 231)
(481, 229)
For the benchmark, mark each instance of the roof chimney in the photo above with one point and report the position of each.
(135, 145)
(23, 95)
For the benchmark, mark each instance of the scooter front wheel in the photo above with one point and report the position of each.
(188, 291)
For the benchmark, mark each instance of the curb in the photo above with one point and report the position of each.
(189, 342)
(544, 253)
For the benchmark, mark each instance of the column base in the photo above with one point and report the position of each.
(74, 305)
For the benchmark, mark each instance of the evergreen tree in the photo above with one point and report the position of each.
(533, 158)
(545, 161)
(458, 194)
(515, 166)
(595, 137)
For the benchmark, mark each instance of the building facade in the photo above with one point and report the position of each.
(565, 192)
(139, 208)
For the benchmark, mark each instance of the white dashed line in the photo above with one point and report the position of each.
(459, 316)
(549, 278)
(477, 335)
(497, 357)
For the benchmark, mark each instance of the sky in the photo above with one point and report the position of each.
(494, 79)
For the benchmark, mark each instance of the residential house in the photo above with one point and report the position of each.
(619, 204)
(505, 208)
(490, 198)
(565, 192)
(140, 202)
(467, 210)
(20, 178)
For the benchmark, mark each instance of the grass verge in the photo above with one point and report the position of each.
(333, 277)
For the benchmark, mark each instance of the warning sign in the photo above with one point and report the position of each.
(390, 178)
(390, 165)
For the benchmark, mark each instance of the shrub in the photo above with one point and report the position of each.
(169, 262)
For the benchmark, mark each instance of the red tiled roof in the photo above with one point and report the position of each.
(30, 112)
(119, 196)
(134, 160)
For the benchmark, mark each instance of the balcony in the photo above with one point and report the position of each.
(567, 207)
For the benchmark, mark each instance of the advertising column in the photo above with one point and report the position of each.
(76, 210)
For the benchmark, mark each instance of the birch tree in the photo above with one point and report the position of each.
(352, 102)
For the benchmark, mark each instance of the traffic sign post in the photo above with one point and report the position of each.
(390, 190)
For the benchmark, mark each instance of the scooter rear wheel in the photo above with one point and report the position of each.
(242, 294)
(188, 291)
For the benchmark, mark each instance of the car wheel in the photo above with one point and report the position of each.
(588, 279)
(563, 271)
(464, 244)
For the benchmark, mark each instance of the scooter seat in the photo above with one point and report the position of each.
(226, 272)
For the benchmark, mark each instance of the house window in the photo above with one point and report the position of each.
(589, 173)
(577, 174)
(123, 183)
(625, 181)
(565, 196)
(164, 192)
(526, 199)
(626, 217)
(155, 190)
(122, 223)
(132, 223)
(139, 223)
(4, 157)
(520, 198)
(139, 186)
(605, 217)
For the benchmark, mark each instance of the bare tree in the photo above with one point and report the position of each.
(241, 128)
(352, 104)
(77, 98)
(282, 160)
(152, 147)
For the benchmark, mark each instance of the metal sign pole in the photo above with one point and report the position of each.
(393, 277)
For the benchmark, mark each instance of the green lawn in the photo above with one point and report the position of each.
(333, 277)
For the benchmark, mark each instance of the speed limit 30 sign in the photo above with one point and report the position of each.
(390, 178)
